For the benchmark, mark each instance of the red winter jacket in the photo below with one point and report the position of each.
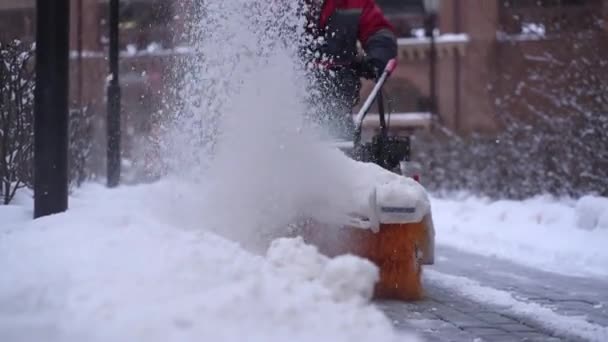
(340, 24)
(371, 19)
(344, 22)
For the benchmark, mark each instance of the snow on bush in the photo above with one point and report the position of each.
(116, 268)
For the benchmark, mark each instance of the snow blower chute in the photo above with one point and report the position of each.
(396, 231)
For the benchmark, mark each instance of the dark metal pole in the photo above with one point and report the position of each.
(457, 70)
(79, 90)
(114, 95)
(433, 64)
(51, 107)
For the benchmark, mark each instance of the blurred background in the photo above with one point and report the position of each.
(518, 88)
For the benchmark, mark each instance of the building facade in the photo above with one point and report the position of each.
(493, 56)
(496, 57)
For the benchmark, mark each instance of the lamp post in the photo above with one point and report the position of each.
(432, 7)
(51, 107)
(114, 95)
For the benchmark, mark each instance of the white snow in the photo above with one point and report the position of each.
(592, 213)
(576, 326)
(440, 39)
(537, 29)
(118, 267)
(372, 191)
(560, 235)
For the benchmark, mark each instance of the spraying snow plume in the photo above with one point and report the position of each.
(231, 40)
(242, 124)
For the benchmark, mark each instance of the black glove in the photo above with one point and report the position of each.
(370, 68)
(380, 48)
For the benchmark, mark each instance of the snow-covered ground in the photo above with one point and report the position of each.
(559, 235)
(524, 308)
(174, 260)
(122, 265)
(138, 263)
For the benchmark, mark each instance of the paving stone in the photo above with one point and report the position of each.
(448, 316)
(494, 338)
(543, 339)
(516, 327)
(572, 312)
(530, 336)
(542, 301)
(469, 309)
(599, 320)
(452, 338)
(575, 305)
(442, 332)
(494, 318)
(461, 320)
(486, 331)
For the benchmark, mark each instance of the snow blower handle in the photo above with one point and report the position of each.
(388, 70)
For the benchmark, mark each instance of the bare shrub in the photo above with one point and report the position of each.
(555, 137)
(16, 118)
(17, 83)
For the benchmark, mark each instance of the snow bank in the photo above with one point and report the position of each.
(541, 232)
(116, 267)
(348, 277)
(592, 213)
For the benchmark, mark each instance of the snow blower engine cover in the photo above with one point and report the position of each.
(400, 201)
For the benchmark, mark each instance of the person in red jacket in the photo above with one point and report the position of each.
(334, 27)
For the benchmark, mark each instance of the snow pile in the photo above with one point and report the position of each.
(541, 232)
(348, 277)
(592, 213)
(116, 268)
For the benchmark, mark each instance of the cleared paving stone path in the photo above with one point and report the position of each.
(476, 298)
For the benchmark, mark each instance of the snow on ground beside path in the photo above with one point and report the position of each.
(576, 326)
(563, 236)
(116, 267)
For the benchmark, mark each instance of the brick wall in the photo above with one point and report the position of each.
(471, 84)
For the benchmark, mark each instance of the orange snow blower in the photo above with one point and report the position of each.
(398, 236)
